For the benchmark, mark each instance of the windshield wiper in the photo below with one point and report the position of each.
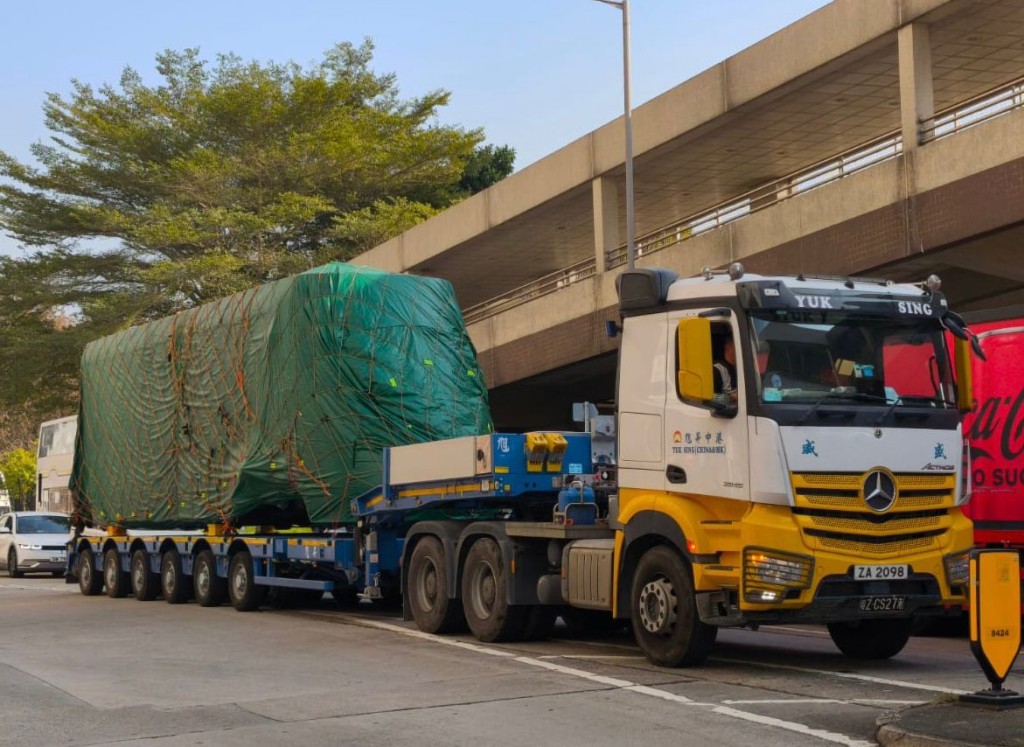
(837, 392)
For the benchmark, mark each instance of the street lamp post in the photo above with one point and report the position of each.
(623, 5)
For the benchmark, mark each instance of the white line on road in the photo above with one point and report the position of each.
(825, 701)
(614, 682)
(846, 675)
(587, 657)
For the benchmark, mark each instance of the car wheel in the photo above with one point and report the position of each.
(12, 564)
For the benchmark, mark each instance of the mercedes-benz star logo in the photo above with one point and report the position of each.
(879, 490)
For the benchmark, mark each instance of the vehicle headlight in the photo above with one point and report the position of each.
(30, 547)
(958, 568)
(769, 574)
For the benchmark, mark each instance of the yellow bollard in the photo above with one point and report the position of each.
(995, 621)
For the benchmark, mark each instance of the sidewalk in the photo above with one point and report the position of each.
(947, 722)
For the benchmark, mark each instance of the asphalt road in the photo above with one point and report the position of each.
(82, 671)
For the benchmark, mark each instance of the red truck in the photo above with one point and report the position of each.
(995, 429)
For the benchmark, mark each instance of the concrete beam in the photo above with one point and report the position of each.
(917, 95)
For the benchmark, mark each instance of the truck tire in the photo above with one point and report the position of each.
(117, 581)
(485, 595)
(90, 583)
(145, 583)
(427, 589)
(664, 611)
(210, 589)
(12, 564)
(871, 639)
(242, 589)
(174, 586)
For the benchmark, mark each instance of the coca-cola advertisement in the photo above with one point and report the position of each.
(995, 429)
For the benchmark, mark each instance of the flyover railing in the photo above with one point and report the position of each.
(974, 111)
(948, 121)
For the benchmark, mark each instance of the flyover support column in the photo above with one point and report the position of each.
(917, 95)
(606, 220)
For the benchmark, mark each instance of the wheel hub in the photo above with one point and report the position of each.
(428, 586)
(241, 581)
(658, 606)
(203, 579)
(138, 574)
(484, 591)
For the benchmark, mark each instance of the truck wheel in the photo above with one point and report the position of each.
(117, 581)
(871, 639)
(12, 564)
(210, 589)
(664, 611)
(90, 583)
(485, 595)
(145, 583)
(431, 608)
(173, 584)
(245, 594)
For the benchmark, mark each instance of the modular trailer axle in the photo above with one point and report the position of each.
(471, 527)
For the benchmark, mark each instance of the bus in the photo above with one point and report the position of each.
(53, 464)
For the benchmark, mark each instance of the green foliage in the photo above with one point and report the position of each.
(488, 164)
(149, 199)
(19, 472)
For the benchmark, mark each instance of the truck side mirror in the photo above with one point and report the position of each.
(964, 378)
(694, 369)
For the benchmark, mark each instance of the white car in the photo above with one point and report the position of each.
(34, 542)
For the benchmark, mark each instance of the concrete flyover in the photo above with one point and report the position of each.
(880, 138)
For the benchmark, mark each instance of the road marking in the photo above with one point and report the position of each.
(51, 589)
(587, 657)
(847, 675)
(828, 736)
(786, 701)
(614, 682)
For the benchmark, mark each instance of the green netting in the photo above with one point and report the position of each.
(272, 405)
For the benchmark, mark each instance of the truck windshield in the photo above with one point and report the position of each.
(810, 356)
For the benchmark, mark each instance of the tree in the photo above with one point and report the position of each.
(19, 475)
(488, 164)
(147, 200)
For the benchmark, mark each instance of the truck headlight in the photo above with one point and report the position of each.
(958, 568)
(769, 574)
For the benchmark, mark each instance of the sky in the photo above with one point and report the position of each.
(534, 74)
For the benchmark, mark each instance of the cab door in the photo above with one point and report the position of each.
(705, 430)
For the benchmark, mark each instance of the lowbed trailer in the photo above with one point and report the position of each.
(453, 493)
(825, 485)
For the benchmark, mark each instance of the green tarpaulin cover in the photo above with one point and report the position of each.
(272, 405)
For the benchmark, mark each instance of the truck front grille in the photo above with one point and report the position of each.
(832, 513)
